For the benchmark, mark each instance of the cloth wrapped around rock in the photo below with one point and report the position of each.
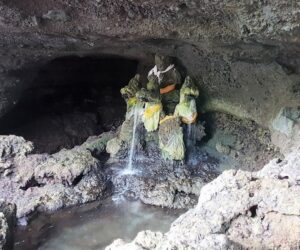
(171, 138)
(153, 107)
(129, 92)
(187, 108)
(151, 116)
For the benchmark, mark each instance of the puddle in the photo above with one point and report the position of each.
(93, 226)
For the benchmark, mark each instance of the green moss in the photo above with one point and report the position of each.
(171, 140)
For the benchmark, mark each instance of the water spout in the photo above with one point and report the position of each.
(132, 153)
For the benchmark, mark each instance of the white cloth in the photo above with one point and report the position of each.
(158, 73)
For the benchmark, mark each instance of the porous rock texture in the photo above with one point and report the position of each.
(48, 182)
(7, 223)
(244, 54)
(238, 210)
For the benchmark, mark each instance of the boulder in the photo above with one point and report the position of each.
(48, 182)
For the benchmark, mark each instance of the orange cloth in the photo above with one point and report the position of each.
(189, 120)
(167, 89)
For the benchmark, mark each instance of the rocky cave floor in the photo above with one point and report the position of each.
(43, 183)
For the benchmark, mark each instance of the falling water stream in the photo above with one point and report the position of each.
(191, 137)
(133, 140)
(132, 153)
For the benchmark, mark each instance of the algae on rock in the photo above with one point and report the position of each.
(187, 108)
(171, 138)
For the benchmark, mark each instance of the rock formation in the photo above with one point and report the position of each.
(237, 210)
(244, 59)
(7, 223)
(48, 182)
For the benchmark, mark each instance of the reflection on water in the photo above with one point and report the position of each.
(93, 226)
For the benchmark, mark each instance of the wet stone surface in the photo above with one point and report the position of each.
(167, 184)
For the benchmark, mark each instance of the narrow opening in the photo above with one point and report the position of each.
(71, 99)
(253, 211)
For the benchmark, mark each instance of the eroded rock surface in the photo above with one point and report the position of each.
(165, 186)
(7, 223)
(244, 55)
(243, 140)
(48, 182)
(237, 210)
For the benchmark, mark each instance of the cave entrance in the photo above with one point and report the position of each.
(70, 99)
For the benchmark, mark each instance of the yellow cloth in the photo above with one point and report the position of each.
(151, 110)
(132, 101)
(151, 116)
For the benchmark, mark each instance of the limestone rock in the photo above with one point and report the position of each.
(238, 210)
(223, 149)
(7, 223)
(49, 182)
(114, 146)
(14, 146)
(173, 189)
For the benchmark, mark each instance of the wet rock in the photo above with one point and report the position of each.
(286, 120)
(238, 210)
(165, 184)
(247, 143)
(98, 144)
(114, 146)
(7, 223)
(144, 240)
(56, 15)
(223, 149)
(49, 182)
(171, 138)
(286, 128)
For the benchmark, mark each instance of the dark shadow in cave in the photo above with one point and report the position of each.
(70, 99)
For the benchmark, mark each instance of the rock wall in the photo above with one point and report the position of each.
(244, 55)
(238, 210)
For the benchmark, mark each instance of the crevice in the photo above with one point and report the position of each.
(253, 211)
(77, 179)
(32, 183)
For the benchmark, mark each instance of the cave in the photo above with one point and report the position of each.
(70, 98)
(118, 118)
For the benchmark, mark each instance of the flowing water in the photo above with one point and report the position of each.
(93, 226)
(191, 136)
(130, 169)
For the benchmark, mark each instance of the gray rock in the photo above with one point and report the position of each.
(114, 146)
(286, 120)
(237, 210)
(223, 149)
(49, 182)
(7, 223)
(56, 15)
